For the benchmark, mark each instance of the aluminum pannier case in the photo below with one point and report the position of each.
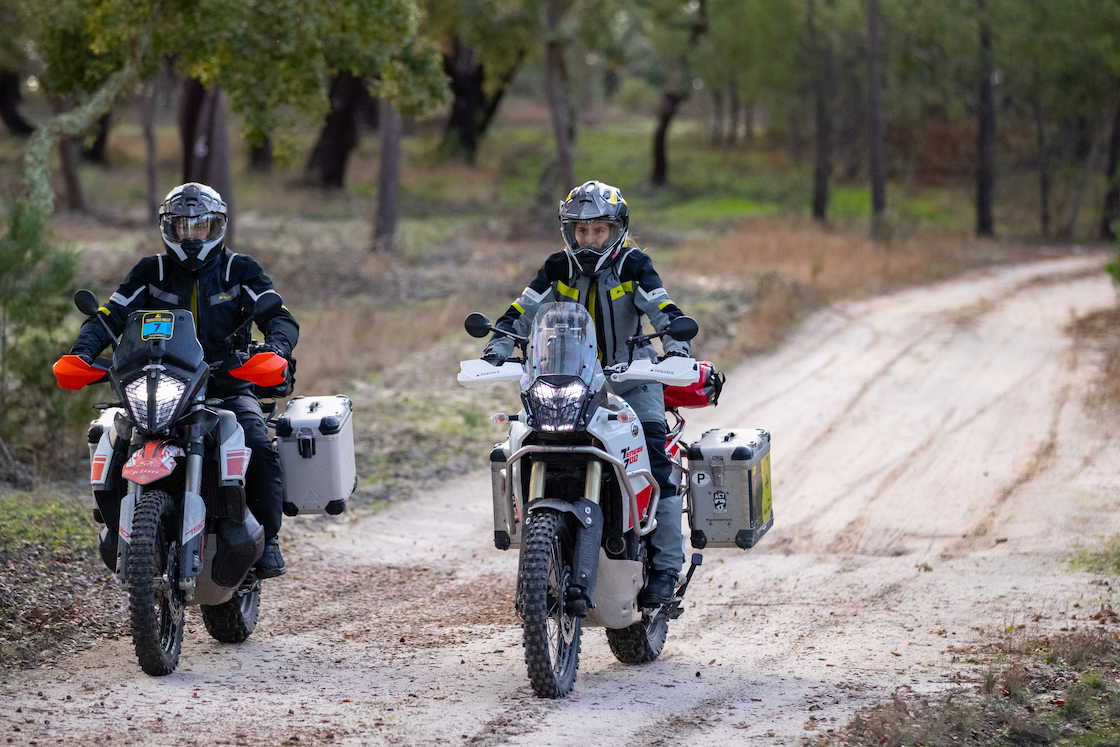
(315, 439)
(729, 501)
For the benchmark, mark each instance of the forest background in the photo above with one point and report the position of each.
(394, 164)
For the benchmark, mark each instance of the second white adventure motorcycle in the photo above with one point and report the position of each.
(572, 488)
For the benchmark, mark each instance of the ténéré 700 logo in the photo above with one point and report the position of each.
(630, 456)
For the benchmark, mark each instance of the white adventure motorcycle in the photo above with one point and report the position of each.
(573, 490)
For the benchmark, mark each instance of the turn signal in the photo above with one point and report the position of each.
(500, 418)
(625, 417)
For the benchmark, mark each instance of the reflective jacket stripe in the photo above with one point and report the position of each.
(565, 290)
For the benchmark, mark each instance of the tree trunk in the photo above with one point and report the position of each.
(822, 91)
(875, 116)
(95, 152)
(612, 80)
(1086, 171)
(1043, 171)
(670, 102)
(9, 99)
(349, 95)
(986, 135)
(715, 138)
(260, 157)
(555, 84)
(734, 107)
(1112, 196)
(388, 181)
(466, 78)
(68, 151)
(202, 127)
(148, 122)
(472, 109)
(748, 124)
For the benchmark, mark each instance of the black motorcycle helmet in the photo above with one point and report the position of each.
(592, 202)
(192, 222)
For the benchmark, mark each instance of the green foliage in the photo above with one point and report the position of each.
(35, 282)
(28, 518)
(273, 58)
(1105, 558)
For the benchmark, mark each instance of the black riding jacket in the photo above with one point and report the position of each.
(221, 296)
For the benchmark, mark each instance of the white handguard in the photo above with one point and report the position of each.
(673, 371)
(477, 373)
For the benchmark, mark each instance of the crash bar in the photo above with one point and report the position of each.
(620, 472)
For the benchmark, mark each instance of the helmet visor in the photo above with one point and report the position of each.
(180, 228)
(596, 236)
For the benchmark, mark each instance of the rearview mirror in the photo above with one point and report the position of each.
(86, 302)
(683, 328)
(268, 306)
(477, 325)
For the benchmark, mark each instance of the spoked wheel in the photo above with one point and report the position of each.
(155, 602)
(233, 621)
(551, 635)
(641, 642)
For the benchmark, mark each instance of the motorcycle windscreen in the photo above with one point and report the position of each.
(563, 342)
(168, 334)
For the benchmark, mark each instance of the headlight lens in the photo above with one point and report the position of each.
(169, 391)
(556, 408)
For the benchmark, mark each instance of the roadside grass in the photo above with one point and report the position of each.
(55, 594)
(1037, 689)
(750, 287)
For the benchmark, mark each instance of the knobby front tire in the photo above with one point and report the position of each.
(551, 636)
(155, 602)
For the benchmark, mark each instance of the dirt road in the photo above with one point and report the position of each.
(934, 461)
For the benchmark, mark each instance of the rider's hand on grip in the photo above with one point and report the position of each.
(494, 359)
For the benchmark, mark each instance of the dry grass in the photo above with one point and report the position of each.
(1100, 330)
(356, 339)
(790, 267)
(1064, 684)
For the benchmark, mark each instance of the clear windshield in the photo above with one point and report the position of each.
(563, 342)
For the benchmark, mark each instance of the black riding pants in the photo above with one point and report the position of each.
(264, 488)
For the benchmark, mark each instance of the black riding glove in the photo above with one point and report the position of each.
(494, 358)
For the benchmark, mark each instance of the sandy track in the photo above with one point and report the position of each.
(933, 463)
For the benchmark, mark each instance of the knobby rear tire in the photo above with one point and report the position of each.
(155, 602)
(551, 636)
(639, 643)
(233, 621)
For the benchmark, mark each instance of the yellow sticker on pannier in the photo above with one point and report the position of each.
(767, 501)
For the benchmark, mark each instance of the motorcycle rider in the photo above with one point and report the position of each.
(220, 288)
(602, 269)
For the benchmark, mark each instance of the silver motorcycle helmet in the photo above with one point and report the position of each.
(192, 223)
(593, 202)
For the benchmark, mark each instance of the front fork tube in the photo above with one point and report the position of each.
(124, 529)
(589, 537)
(194, 521)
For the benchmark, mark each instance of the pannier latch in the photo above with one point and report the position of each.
(717, 471)
(306, 440)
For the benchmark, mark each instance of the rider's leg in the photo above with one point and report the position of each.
(666, 543)
(264, 490)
